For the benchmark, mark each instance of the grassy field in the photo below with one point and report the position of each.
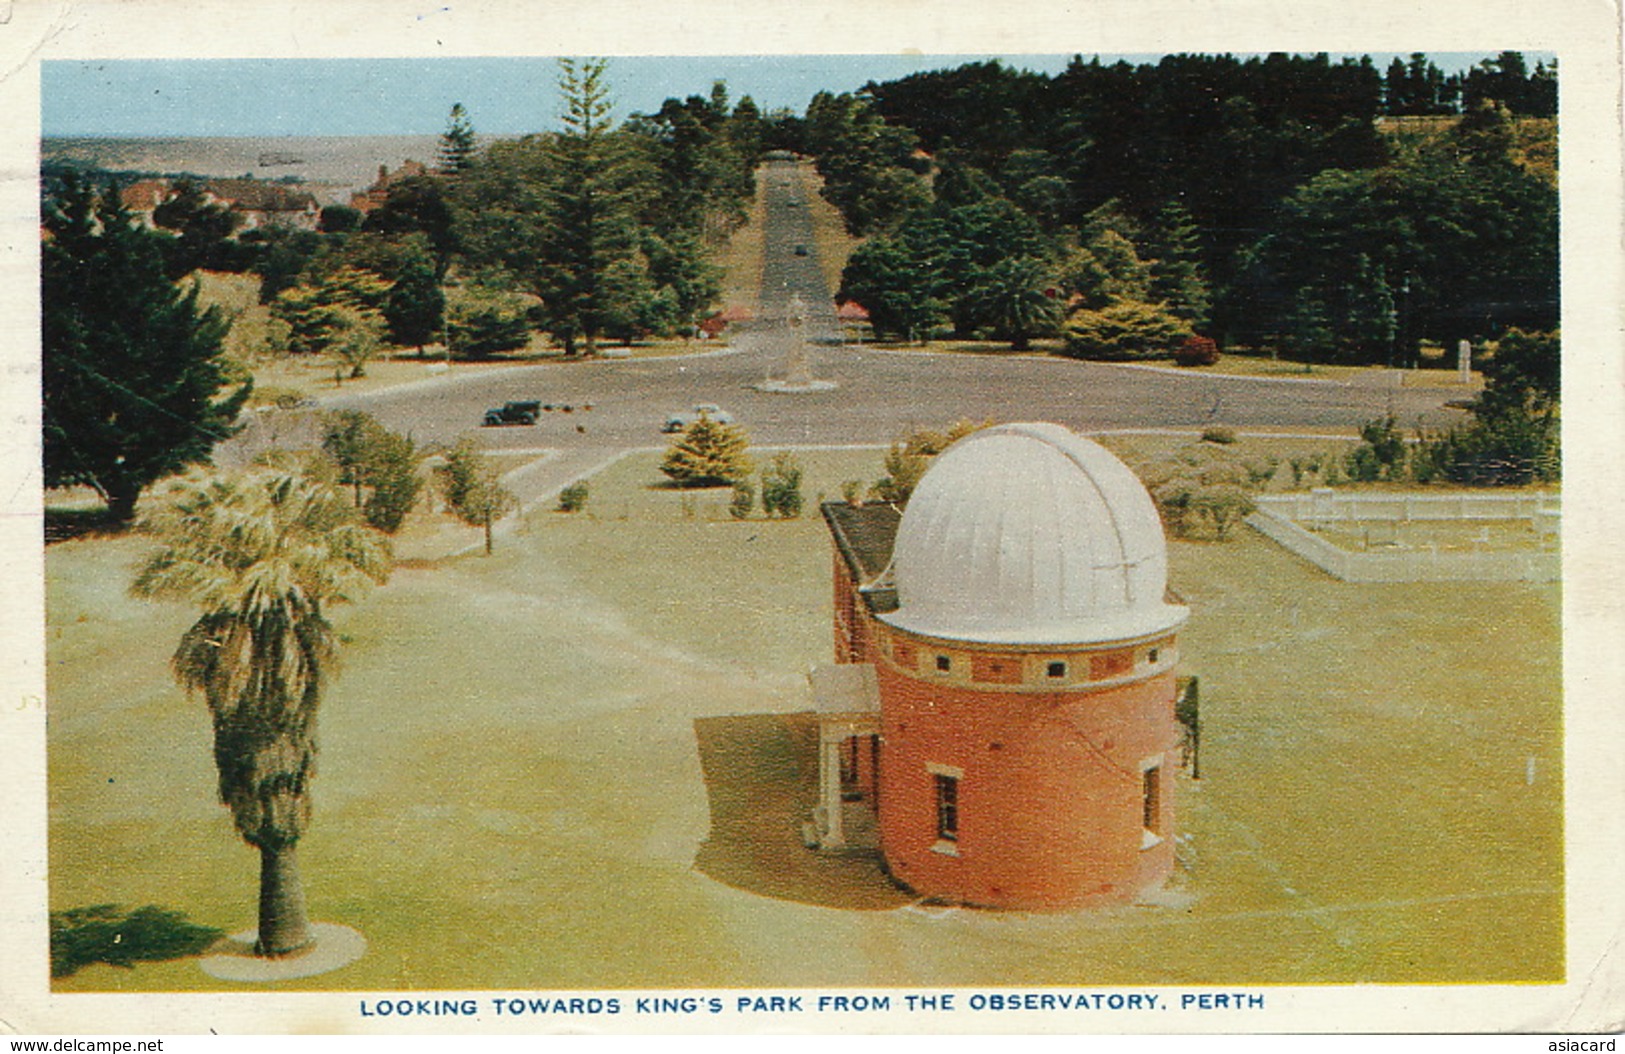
(835, 245)
(580, 763)
(1445, 536)
(741, 258)
(1228, 365)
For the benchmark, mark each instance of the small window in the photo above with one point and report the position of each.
(1151, 798)
(1057, 669)
(944, 663)
(1152, 655)
(947, 807)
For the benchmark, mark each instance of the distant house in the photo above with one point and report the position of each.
(256, 203)
(253, 203)
(375, 195)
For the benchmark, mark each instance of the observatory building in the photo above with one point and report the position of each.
(1001, 711)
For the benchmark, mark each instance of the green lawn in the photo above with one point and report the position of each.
(578, 763)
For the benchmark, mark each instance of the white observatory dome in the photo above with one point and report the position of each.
(1028, 533)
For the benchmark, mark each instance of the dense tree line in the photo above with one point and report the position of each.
(1262, 202)
(1417, 87)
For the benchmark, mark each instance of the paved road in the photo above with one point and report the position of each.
(879, 392)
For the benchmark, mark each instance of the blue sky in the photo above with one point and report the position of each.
(503, 96)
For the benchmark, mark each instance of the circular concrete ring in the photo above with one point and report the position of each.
(332, 946)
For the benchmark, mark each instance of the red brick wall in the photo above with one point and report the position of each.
(995, 669)
(1050, 801)
(851, 618)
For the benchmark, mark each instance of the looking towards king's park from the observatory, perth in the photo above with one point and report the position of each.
(1037, 521)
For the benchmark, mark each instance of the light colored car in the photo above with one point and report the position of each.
(679, 421)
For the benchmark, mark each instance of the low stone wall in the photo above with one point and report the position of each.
(1282, 517)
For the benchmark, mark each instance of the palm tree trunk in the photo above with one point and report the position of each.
(284, 928)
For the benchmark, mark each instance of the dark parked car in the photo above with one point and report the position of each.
(514, 413)
(801, 250)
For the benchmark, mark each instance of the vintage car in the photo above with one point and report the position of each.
(679, 421)
(521, 412)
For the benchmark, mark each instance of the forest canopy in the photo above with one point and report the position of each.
(1326, 209)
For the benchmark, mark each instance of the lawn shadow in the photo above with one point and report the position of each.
(106, 933)
(63, 523)
(760, 772)
(686, 486)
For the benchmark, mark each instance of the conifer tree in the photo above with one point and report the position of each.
(132, 366)
(416, 307)
(457, 143)
(781, 487)
(708, 454)
(588, 209)
(1177, 277)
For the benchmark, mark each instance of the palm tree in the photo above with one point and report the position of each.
(262, 554)
(1018, 298)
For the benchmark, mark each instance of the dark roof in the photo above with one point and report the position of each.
(864, 536)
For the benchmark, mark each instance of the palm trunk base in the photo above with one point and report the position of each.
(284, 927)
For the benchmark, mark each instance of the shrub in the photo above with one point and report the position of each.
(1386, 444)
(357, 335)
(926, 442)
(574, 497)
(1217, 471)
(1380, 455)
(1362, 465)
(481, 322)
(376, 462)
(1204, 491)
(964, 427)
(852, 492)
(1217, 509)
(781, 488)
(930, 442)
(903, 472)
(743, 501)
(391, 469)
(1261, 470)
(708, 454)
(1508, 448)
(1125, 329)
(472, 489)
(1196, 351)
(1218, 434)
(1315, 463)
